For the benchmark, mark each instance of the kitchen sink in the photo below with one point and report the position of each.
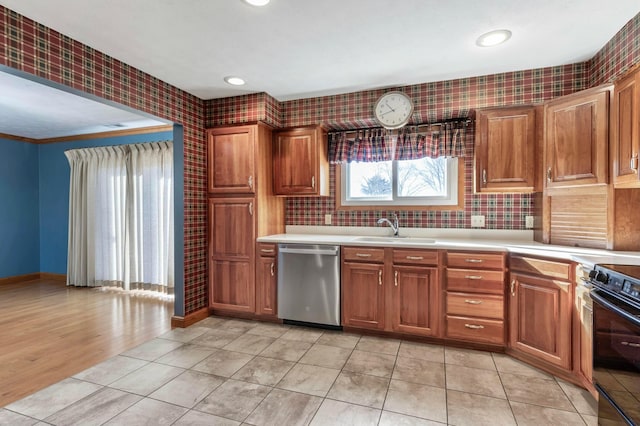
(396, 240)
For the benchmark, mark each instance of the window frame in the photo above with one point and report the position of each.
(342, 204)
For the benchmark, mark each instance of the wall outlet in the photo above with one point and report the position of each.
(477, 221)
(528, 222)
(327, 219)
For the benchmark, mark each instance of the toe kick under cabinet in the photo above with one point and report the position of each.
(475, 286)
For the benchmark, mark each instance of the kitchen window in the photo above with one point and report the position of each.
(420, 182)
(413, 168)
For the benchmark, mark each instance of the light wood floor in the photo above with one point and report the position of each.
(49, 331)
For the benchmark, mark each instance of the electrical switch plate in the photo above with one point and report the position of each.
(327, 219)
(477, 221)
(528, 222)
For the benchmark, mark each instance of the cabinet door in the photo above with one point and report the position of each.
(505, 149)
(301, 165)
(266, 286)
(626, 131)
(363, 295)
(576, 139)
(416, 304)
(232, 254)
(232, 160)
(540, 318)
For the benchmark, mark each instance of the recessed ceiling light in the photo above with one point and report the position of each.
(234, 81)
(257, 2)
(493, 38)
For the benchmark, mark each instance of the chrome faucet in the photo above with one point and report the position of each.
(393, 225)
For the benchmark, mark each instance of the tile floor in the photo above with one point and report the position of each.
(231, 372)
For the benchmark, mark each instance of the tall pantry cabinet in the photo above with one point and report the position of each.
(242, 207)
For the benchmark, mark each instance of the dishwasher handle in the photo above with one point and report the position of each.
(325, 251)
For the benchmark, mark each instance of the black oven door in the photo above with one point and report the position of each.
(616, 358)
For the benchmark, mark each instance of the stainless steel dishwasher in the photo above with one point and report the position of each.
(309, 283)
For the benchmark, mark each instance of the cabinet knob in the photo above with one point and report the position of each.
(273, 266)
(395, 279)
(380, 277)
(484, 176)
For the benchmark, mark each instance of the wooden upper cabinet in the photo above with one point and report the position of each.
(626, 131)
(232, 160)
(301, 166)
(577, 138)
(505, 149)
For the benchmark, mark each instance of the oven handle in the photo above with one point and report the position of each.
(604, 302)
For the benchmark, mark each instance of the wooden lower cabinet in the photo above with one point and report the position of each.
(416, 300)
(379, 292)
(232, 254)
(232, 286)
(540, 318)
(267, 281)
(363, 295)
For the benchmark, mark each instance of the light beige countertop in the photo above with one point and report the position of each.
(520, 242)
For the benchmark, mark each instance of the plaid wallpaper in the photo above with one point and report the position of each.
(618, 55)
(433, 102)
(28, 46)
(34, 48)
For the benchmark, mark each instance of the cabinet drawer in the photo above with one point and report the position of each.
(267, 249)
(363, 254)
(478, 330)
(475, 305)
(415, 257)
(475, 281)
(549, 268)
(472, 260)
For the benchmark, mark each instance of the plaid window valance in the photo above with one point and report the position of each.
(375, 145)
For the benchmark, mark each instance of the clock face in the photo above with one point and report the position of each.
(393, 110)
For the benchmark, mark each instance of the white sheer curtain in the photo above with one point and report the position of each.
(121, 217)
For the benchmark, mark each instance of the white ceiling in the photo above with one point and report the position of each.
(33, 110)
(302, 48)
(298, 48)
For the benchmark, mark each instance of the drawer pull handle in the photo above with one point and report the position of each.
(415, 257)
(266, 250)
(513, 287)
(251, 208)
(380, 277)
(474, 326)
(272, 269)
(395, 279)
(473, 302)
(484, 176)
(313, 182)
(363, 254)
(630, 344)
(634, 162)
(473, 260)
(250, 182)
(473, 277)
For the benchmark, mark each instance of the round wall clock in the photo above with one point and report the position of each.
(393, 110)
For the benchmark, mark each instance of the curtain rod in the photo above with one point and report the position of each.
(437, 123)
